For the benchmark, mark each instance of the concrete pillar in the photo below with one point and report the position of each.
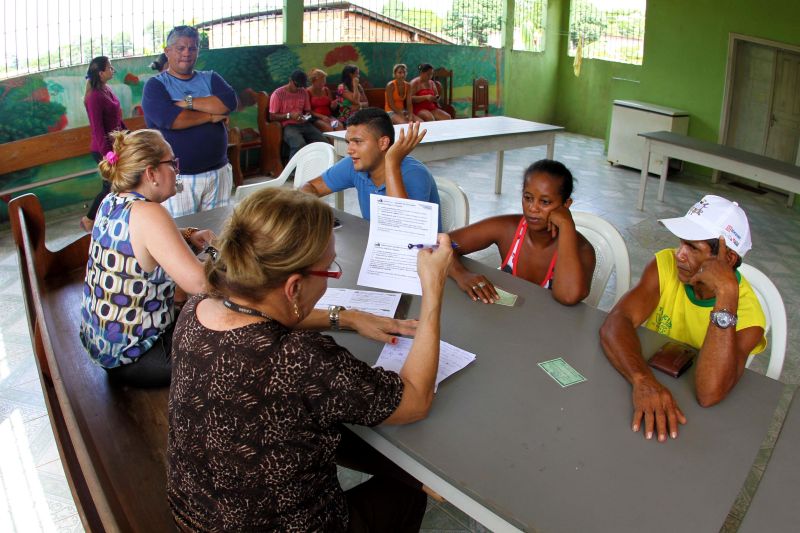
(293, 21)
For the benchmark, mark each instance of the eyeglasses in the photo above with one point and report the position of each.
(175, 163)
(336, 273)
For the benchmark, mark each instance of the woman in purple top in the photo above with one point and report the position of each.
(105, 116)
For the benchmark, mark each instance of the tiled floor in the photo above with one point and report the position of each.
(34, 495)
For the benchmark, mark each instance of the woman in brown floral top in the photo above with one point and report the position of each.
(257, 396)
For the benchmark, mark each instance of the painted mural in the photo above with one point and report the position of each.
(47, 102)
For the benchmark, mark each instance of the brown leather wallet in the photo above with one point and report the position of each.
(673, 358)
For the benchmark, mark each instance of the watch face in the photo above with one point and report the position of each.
(723, 319)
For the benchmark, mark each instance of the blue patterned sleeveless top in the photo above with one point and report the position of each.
(124, 309)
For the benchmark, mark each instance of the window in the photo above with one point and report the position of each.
(530, 20)
(50, 34)
(607, 29)
(464, 22)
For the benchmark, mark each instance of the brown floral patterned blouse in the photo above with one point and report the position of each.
(253, 416)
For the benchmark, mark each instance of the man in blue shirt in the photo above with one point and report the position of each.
(190, 108)
(376, 164)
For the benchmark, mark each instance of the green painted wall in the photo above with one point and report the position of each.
(530, 81)
(685, 56)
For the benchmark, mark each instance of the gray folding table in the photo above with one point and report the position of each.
(511, 448)
(775, 504)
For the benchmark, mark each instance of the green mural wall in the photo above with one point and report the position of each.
(40, 103)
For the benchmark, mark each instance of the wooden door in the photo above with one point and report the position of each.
(783, 132)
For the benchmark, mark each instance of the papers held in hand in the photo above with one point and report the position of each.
(394, 222)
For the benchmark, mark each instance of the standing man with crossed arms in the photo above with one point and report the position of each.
(190, 108)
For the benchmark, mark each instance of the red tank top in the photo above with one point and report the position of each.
(321, 104)
(512, 257)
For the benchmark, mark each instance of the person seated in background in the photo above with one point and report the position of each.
(258, 397)
(136, 257)
(376, 164)
(695, 295)
(398, 97)
(160, 64)
(322, 105)
(541, 245)
(425, 96)
(289, 104)
(350, 95)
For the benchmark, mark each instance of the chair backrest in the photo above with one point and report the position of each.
(444, 78)
(311, 161)
(308, 163)
(610, 253)
(453, 205)
(480, 96)
(775, 312)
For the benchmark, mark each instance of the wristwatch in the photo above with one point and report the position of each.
(189, 99)
(333, 315)
(723, 318)
(288, 116)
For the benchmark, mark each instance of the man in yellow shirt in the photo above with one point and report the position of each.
(695, 295)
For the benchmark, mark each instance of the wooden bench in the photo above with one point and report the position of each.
(49, 148)
(74, 142)
(112, 440)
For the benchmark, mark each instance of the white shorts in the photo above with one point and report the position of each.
(202, 192)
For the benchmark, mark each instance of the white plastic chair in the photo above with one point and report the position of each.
(453, 205)
(308, 163)
(775, 312)
(610, 253)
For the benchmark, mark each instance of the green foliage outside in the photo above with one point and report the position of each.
(471, 22)
(424, 19)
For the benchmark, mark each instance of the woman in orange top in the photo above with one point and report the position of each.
(425, 97)
(398, 97)
(322, 104)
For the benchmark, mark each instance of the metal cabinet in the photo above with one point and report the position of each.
(631, 117)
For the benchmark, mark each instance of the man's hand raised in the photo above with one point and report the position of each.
(406, 141)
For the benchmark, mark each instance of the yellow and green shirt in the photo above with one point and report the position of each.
(682, 316)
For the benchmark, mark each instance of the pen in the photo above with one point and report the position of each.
(454, 245)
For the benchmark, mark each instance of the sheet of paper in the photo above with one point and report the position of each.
(451, 358)
(506, 298)
(562, 372)
(394, 224)
(375, 302)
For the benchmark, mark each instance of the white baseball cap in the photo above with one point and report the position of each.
(711, 217)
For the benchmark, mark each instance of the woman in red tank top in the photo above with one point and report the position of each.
(541, 245)
(322, 104)
(425, 97)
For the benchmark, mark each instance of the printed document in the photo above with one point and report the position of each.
(451, 358)
(375, 302)
(395, 223)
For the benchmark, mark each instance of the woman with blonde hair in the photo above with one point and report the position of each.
(398, 97)
(136, 257)
(258, 397)
(322, 104)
